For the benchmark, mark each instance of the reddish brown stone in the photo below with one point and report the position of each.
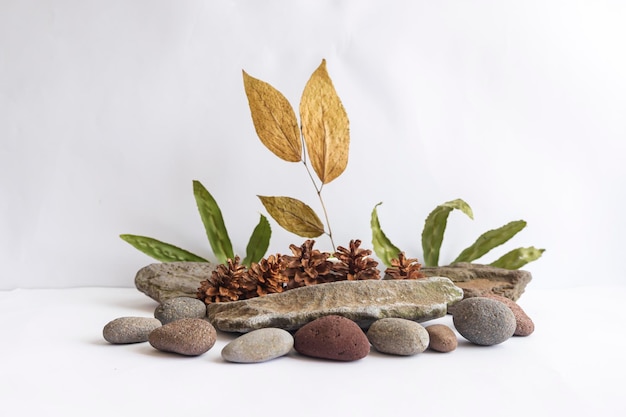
(332, 337)
(524, 324)
(442, 338)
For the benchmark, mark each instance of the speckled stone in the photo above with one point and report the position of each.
(397, 336)
(332, 337)
(180, 308)
(524, 325)
(258, 346)
(442, 338)
(484, 321)
(189, 337)
(129, 329)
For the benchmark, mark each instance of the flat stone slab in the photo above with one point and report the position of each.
(361, 301)
(477, 280)
(162, 281)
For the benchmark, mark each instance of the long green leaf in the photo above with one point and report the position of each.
(435, 226)
(519, 257)
(384, 249)
(490, 240)
(161, 251)
(293, 215)
(259, 242)
(211, 216)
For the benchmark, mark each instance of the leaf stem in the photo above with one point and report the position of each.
(329, 233)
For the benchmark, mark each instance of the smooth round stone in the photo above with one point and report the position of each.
(189, 337)
(442, 338)
(524, 325)
(258, 346)
(484, 321)
(397, 336)
(180, 308)
(332, 337)
(129, 329)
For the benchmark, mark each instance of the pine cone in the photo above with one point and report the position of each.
(403, 268)
(268, 274)
(355, 264)
(308, 266)
(228, 282)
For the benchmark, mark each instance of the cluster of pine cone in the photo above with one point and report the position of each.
(276, 273)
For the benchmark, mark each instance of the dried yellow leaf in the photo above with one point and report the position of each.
(274, 119)
(293, 215)
(325, 126)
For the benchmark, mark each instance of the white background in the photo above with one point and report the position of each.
(109, 110)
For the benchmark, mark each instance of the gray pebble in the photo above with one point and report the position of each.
(191, 337)
(258, 346)
(180, 308)
(398, 336)
(484, 321)
(129, 329)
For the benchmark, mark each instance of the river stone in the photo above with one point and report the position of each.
(332, 337)
(398, 336)
(442, 338)
(361, 301)
(524, 325)
(162, 281)
(190, 337)
(180, 308)
(484, 321)
(258, 346)
(129, 329)
(477, 280)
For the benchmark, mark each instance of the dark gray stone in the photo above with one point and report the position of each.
(180, 308)
(361, 301)
(484, 321)
(162, 281)
(129, 329)
(477, 280)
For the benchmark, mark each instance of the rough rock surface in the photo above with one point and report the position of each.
(258, 346)
(398, 336)
(180, 308)
(332, 337)
(524, 324)
(129, 329)
(162, 281)
(484, 321)
(442, 338)
(191, 337)
(477, 280)
(361, 301)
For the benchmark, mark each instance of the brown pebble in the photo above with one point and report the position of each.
(442, 338)
(189, 336)
(332, 337)
(524, 324)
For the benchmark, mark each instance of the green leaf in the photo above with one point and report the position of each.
(293, 215)
(161, 251)
(384, 249)
(211, 216)
(259, 242)
(519, 257)
(490, 240)
(435, 226)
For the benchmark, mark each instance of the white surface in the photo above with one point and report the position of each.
(109, 110)
(55, 362)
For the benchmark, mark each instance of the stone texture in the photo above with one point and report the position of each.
(258, 346)
(477, 280)
(398, 336)
(190, 337)
(332, 337)
(129, 329)
(524, 325)
(442, 338)
(162, 281)
(484, 321)
(180, 308)
(361, 301)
